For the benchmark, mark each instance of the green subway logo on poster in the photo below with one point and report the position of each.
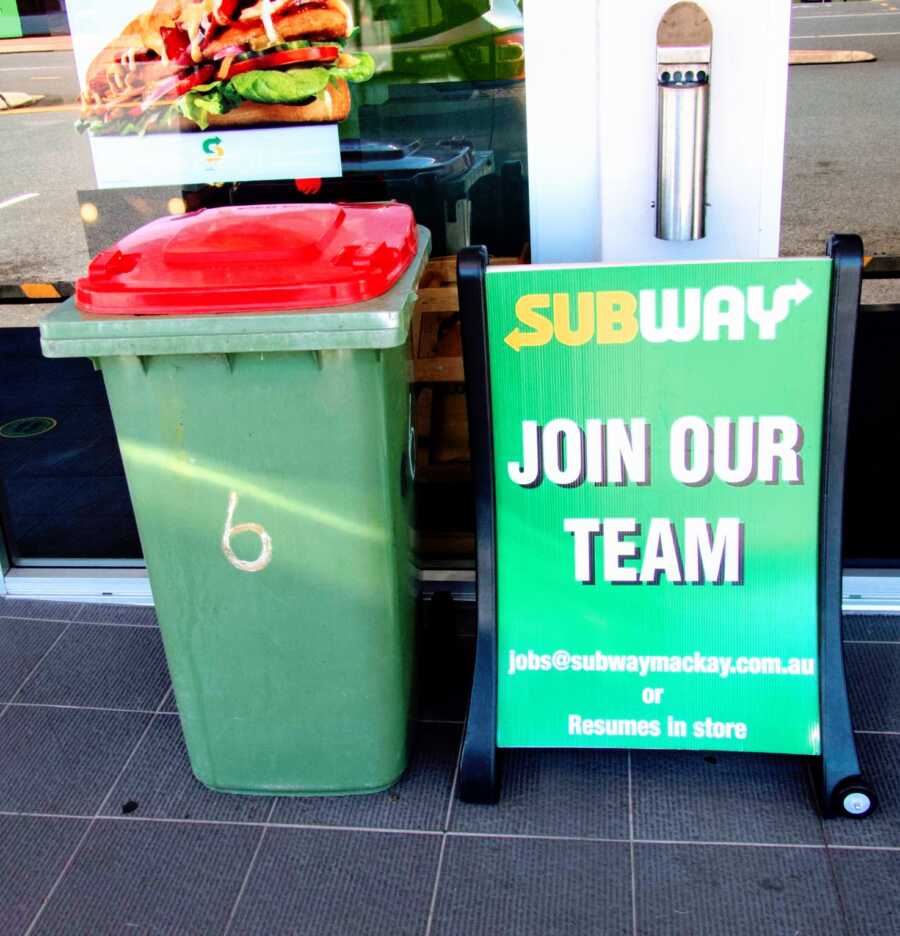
(722, 313)
(212, 147)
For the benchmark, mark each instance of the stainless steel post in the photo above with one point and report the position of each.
(683, 53)
(681, 169)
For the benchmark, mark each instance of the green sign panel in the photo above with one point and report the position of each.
(10, 24)
(657, 446)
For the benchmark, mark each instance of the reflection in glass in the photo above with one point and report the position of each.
(439, 125)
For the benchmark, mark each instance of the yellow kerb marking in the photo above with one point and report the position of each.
(40, 290)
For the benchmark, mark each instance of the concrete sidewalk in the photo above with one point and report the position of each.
(106, 830)
(36, 44)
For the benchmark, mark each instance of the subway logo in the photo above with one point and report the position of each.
(721, 313)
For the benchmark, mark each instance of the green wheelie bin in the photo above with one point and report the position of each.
(257, 365)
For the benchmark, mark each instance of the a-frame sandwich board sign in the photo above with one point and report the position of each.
(658, 456)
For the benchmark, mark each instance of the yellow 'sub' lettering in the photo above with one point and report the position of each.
(616, 319)
(527, 314)
(562, 319)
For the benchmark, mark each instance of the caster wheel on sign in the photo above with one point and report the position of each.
(856, 801)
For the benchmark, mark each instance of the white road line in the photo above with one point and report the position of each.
(34, 68)
(16, 199)
(846, 35)
(46, 78)
(796, 19)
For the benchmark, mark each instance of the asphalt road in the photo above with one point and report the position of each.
(41, 236)
(843, 128)
(842, 171)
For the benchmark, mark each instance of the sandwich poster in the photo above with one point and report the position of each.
(657, 449)
(205, 91)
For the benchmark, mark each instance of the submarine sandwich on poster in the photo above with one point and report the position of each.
(196, 64)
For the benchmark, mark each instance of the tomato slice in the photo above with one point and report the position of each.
(201, 76)
(323, 55)
(224, 13)
(175, 41)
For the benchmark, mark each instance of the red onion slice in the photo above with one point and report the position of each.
(228, 50)
(160, 90)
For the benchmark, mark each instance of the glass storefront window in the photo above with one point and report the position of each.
(417, 19)
(63, 495)
(440, 124)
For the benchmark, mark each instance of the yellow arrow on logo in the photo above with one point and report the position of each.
(515, 339)
(527, 313)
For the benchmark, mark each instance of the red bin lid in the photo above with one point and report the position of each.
(252, 258)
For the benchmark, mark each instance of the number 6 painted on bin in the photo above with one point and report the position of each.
(265, 555)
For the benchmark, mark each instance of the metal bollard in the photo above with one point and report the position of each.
(681, 169)
(683, 52)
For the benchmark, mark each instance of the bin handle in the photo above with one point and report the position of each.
(408, 458)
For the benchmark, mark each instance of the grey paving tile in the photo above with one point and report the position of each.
(873, 684)
(38, 610)
(418, 801)
(723, 797)
(879, 759)
(63, 760)
(151, 878)
(158, 782)
(703, 890)
(872, 627)
(565, 792)
(115, 667)
(313, 882)
(867, 883)
(22, 644)
(533, 887)
(34, 852)
(135, 615)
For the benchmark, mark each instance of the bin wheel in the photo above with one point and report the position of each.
(857, 800)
